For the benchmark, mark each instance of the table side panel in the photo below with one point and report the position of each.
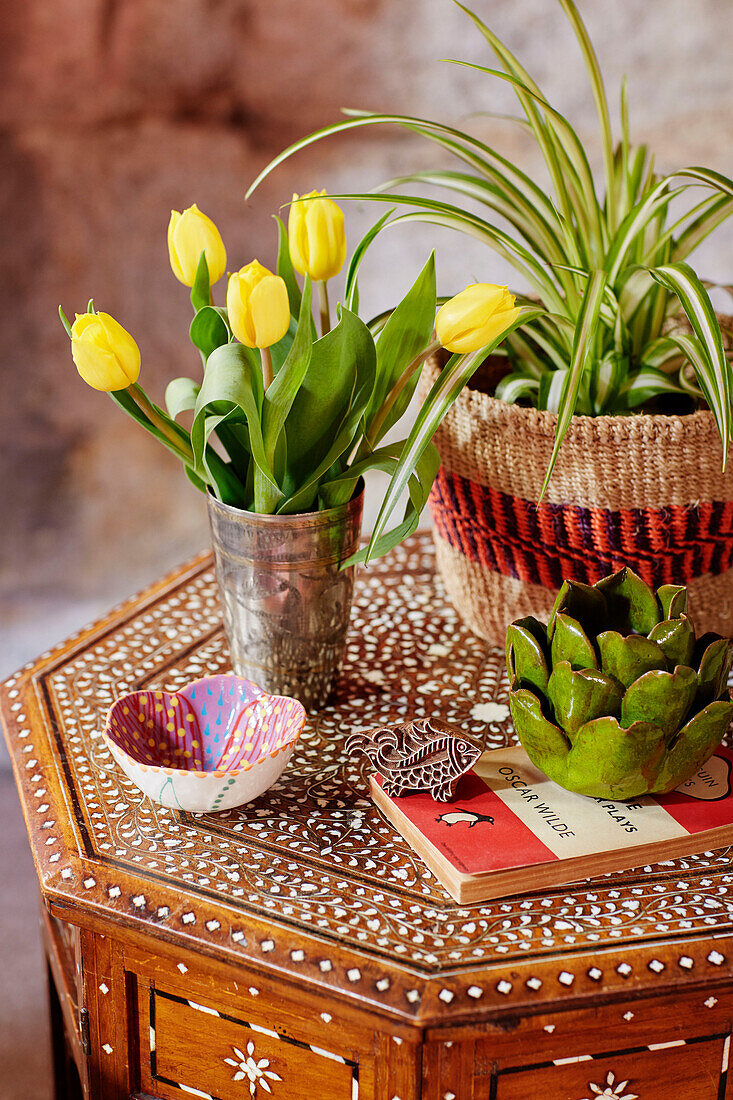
(192, 1015)
(194, 1045)
(693, 1073)
(663, 1046)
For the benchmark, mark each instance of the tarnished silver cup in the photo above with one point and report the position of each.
(285, 600)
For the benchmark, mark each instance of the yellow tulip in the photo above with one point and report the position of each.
(475, 317)
(190, 234)
(258, 306)
(105, 354)
(316, 236)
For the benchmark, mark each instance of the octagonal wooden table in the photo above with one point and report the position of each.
(296, 947)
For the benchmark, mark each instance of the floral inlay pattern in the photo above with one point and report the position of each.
(256, 1071)
(314, 854)
(611, 1090)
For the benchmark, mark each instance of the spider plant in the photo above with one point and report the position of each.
(608, 261)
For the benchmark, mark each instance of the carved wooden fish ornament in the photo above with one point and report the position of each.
(422, 755)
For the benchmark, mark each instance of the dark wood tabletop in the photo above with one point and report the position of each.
(309, 884)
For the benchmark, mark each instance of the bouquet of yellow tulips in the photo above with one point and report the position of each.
(286, 418)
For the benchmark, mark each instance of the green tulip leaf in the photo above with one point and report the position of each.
(582, 602)
(201, 289)
(406, 333)
(714, 656)
(180, 396)
(578, 697)
(327, 409)
(676, 639)
(526, 646)
(386, 459)
(607, 761)
(278, 401)
(628, 658)
(452, 379)
(632, 606)
(672, 600)
(209, 330)
(280, 351)
(231, 389)
(571, 643)
(545, 744)
(224, 480)
(285, 268)
(662, 698)
(695, 744)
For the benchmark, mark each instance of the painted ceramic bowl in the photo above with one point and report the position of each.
(218, 743)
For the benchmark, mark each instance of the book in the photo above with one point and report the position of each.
(511, 830)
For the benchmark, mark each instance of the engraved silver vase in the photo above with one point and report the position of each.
(285, 600)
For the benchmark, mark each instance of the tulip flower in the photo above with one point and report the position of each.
(190, 234)
(475, 317)
(258, 306)
(316, 236)
(259, 310)
(105, 354)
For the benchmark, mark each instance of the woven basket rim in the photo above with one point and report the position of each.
(490, 409)
(635, 424)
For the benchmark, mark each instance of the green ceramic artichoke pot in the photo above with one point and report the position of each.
(616, 697)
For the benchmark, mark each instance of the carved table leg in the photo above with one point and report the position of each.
(105, 998)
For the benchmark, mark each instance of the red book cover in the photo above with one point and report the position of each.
(511, 828)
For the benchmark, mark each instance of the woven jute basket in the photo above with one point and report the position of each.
(645, 491)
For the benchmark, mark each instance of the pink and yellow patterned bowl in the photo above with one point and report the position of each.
(218, 743)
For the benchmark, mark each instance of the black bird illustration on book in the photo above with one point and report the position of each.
(455, 817)
(422, 755)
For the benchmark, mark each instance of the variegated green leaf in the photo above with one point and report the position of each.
(587, 326)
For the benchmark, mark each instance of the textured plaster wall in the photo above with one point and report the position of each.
(113, 112)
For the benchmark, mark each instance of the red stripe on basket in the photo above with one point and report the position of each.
(546, 543)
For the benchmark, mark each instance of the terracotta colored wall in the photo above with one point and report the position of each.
(113, 112)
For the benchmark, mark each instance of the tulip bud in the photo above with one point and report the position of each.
(105, 355)
(258, 306)
(475, 317)
(316, 236)
(190, 234)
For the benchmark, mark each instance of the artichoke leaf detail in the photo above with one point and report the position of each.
(526, 645)
(672, 600)
(570, 643)
(608, 761)
(577, 697)
(695, 744)
(662, 698)
(715, 664)
(628, 658)
(631, 602)
(581, 602)
(676, 639)
(545, 744)
(627, 701)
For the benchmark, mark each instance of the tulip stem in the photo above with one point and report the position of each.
(323, 303)
(266, 368)
(372, 436)
(142, 400)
